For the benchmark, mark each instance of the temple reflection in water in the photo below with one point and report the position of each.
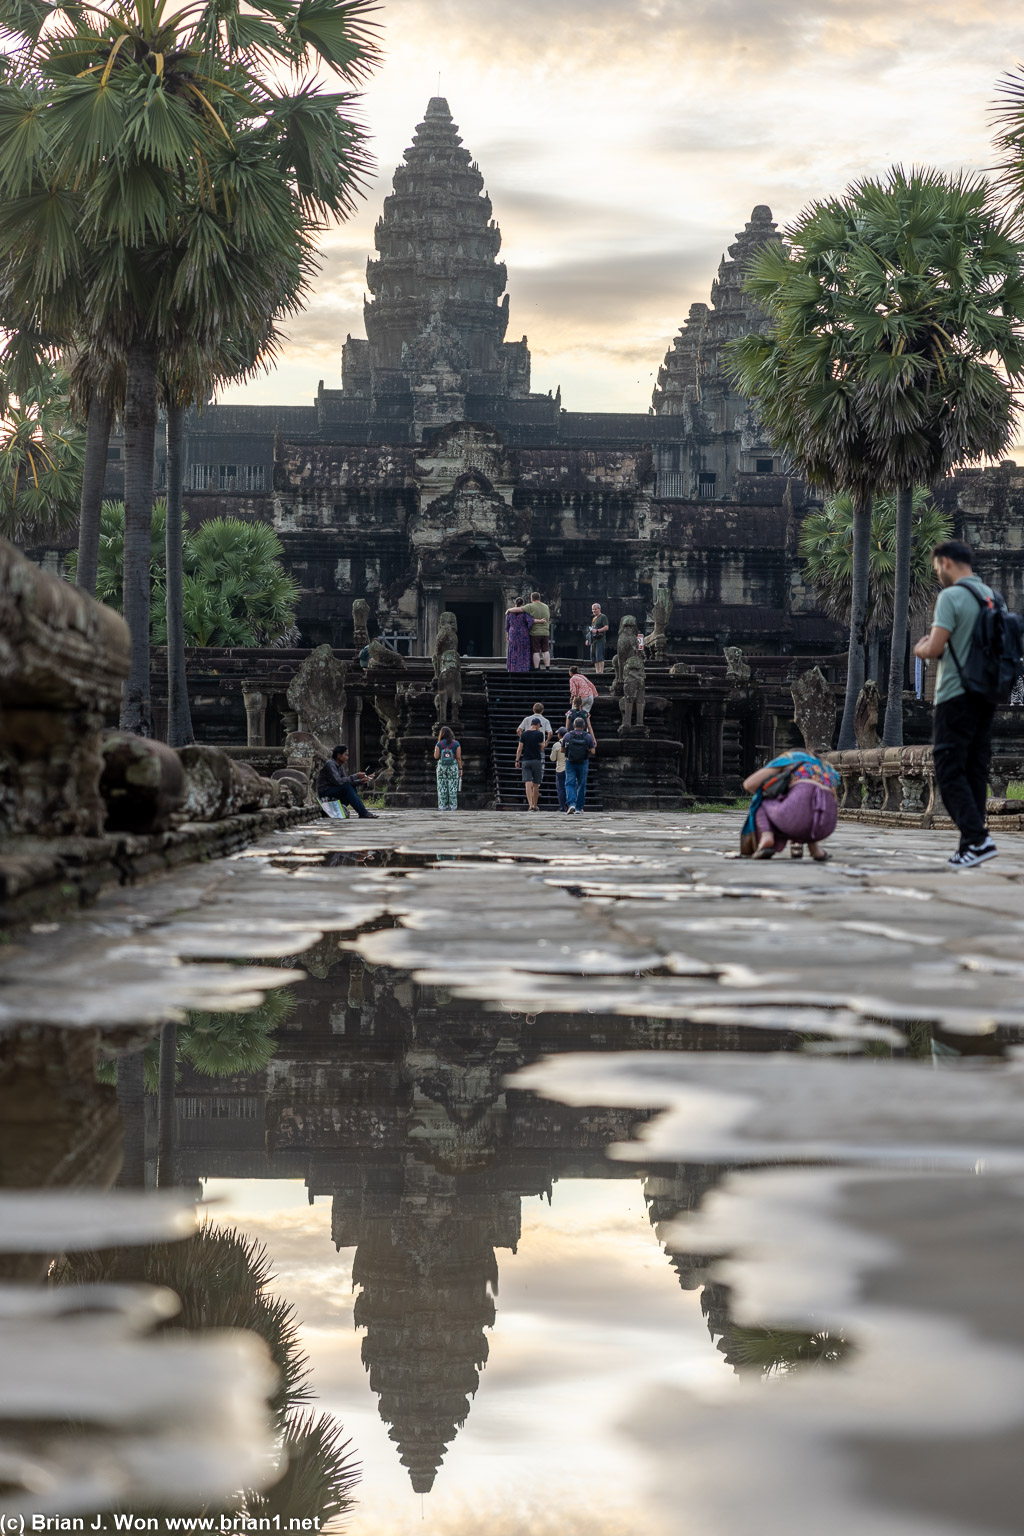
(389, 1098)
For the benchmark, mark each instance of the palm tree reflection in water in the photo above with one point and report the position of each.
(222, 1280)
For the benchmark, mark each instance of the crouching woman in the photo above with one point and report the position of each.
(793, 800)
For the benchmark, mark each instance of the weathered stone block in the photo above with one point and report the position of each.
(143, 783)
(865, 716)
(317, 692)
(208, 782)
(62, 660)
(814, 710)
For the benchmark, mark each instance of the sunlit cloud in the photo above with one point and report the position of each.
(624, 142)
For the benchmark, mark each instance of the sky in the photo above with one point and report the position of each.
(623, 142)
(590, 1317)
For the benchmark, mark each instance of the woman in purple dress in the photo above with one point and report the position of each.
(517, 627)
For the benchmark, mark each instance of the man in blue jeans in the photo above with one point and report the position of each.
(336, 783)
(579, 747)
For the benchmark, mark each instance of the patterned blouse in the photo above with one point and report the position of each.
(815, 770)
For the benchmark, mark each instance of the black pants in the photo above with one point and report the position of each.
(963, 751)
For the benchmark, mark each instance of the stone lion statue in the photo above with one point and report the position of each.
(736, 669)
(360, 623)
(625, 647)
(656, 643)
(634, 691)
(447, 640)
(448, 698)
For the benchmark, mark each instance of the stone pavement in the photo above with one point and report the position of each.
(656, 910)
(879, 1155)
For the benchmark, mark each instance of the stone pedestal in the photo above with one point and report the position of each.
(640, 772)
(255, 717)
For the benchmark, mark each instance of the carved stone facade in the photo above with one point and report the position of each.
(435, 478)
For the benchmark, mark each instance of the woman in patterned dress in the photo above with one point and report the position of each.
(517, 627)
(806, 812)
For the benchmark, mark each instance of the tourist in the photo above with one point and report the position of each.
(558, 763)
(336, 784)
(448, 757)
(536, 713)
(582, 694)
(518, 624)
(597, 636)
(579, 747)
(540, 633)
(794, 801)
(530, 760)
(962, 727)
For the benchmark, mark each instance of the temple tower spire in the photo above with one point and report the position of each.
(438, 312)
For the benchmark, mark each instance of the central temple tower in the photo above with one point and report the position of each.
(435, 322)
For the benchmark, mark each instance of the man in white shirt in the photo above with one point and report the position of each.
(536, 713)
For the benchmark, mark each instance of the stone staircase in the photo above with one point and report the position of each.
(510, 696)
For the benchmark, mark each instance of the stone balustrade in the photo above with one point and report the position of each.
(880, 784)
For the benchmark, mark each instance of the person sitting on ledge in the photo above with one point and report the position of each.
(336, 783)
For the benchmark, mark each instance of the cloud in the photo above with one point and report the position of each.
(623, 142)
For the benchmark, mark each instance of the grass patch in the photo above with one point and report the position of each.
(730, 806)
(1015, 791)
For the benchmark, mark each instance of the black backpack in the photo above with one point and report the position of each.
(577, 747)
(996, 657)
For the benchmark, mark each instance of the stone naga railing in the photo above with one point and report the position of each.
(901, 781)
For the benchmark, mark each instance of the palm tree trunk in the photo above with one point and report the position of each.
(139, 442)
(179, 719)
(94, 472)
(892, 734)
(872, 666)
(166, 1102)
(858, 618)
(131, 1100)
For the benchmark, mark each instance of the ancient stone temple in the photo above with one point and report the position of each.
(434, 480)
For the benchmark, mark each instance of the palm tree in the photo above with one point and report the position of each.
(150, 133)
(215, 1044)
(108, 586)
(179, 715)
(236, 566)
(826, 550)
(41, 454)
(235, 590)
(892, 355)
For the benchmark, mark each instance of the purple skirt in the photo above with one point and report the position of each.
(806, 814)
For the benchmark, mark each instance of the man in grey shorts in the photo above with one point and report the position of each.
(530, 760)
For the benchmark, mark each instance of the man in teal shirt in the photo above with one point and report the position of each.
(962, 731)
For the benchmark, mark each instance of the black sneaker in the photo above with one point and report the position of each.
(969, 858)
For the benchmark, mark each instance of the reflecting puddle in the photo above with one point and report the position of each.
(508, 1232)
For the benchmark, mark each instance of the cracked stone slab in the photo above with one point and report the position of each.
(917, 1431)
(740, 1108)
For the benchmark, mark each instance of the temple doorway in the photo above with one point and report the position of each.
(476, 626)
